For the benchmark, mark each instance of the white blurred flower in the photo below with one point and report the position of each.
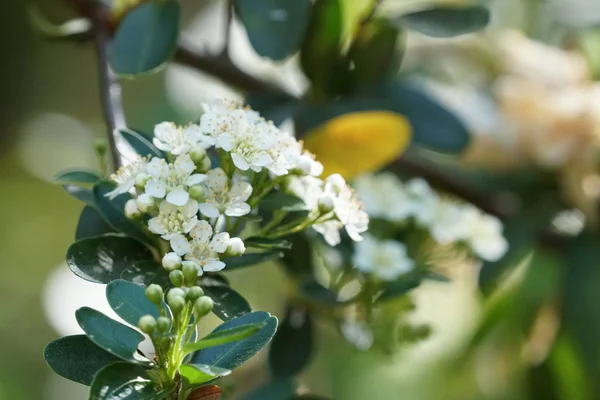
(386, 259)
(346, 207)
(307, 188)
(483, 233)
(384, 196)
(173, 220)
(126, 176)
(358, 334)
(172, 180)
(219, 198)
(179, 140)
(203, 248)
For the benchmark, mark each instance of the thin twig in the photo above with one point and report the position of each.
(227, 27)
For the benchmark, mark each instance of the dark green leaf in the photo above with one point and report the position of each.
(250, 259)
(272, 106)
(446, 21)
(146, 272)
(318, 293)
(102, 259)
(129, 301)
(113, 211)
(76, 176)
(282, 202)
(228, 303)
(292, 345)
(267, 243)
(275, 27)
(279, 389)
(77, 358)
(197, 374)
(436, 276)
(80, 194)
(124, 381)
(223, 337)
(295, 260)
(146, 38)
(233, 355)
(400, 286)
(91, 224)
(112, 336)
(141, 144)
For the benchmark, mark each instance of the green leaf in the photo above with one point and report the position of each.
(274, 107)
(233, 355)
(318, 293)
(295, 260)
(446, 21)
(112, 336)
(113, 211)
(228, 303)
(250, 259)
(102, 259)
(223, 337)
(76, 176)
(77, 358)
(126, 381)
(146, 38)
(282, 202)
(81, 194)
(197, 374)
(129, 301)
(292, 345)
(279, 389)
(275, 27)
(141, 144)
(144, 273)
(267, 243)
(91, 224)
(400, 286)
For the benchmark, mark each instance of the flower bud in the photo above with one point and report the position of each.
(145, 202)
(141, 179)
(204, 305)
(190, 271)
(235, 247)
(194, 293)
(325, 203)
(147, 324)
(100, 146)
(131, 209)
(303, 165)
(196, 192)
(175, 292)
(154, 293)
(198, 154)
(176, 278)
(336, 181)
(176, 305)
(171, 261)
(163, 324)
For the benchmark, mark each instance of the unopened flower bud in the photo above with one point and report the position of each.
(100, 146)
(147, 324)
(204, 305)
(176, 277)
(171, 261)
(175, 292)
(304, 165)
(325, 204)
(176, 302)
(163, 324)
(194, 293)
(196, 192)
(197, 154)
(145, 202)
(336, 181)
(154, 293)
(131, 209)
(141, 179)
(190, 271)
(235, 247)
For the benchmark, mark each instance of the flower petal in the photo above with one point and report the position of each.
(225, 141)
(179, 197)
(156, 188)
(195, 179)
(237, 209)
(180, 245)
(220, 242)
(240, 162)
(240, 191)
(209, 210)
(214, 266)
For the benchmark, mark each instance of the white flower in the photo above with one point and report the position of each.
(179, 140)
(330, 231)
(445, 221)
(385, 197)
(307, 188)
(357, 334)
(126, 176)
(346, 207)
(173, 220)
(171, 261)
(172, 180)
(483, 233)
(386, 259)
(203, 248)
(219, 198)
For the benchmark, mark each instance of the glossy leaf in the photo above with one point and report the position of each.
(318, 293)
(292, 345)
(224, 336)
(102, 259)
(112, 336)
(267, 243)
(142, 145)
(129, 301)
(76, 176)
(81, 194)
(77, 358)
(113, 211)
(250, 259)
(279, 389)
(228, 303)
(91, 224)
(282, 202)
(401, 286)
(197, 374)
(275, 28)
(144, 273)
(146, 38)
(446, 21)
(125, 381)
(233, 355)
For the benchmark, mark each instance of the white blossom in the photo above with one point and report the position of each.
(483, 233)
(173, 220)
(386, 259)
(179, 140)
(220, 198)
(171, 181)
(346, 206)
(126, 176)
(358, 334)
(204, 248)
(384, 196)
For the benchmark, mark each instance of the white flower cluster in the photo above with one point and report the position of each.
(386, 197)
(386, 259)
(188, 203)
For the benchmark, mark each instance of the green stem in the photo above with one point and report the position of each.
(278, 216)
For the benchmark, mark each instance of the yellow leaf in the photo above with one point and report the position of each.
(359, 142)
